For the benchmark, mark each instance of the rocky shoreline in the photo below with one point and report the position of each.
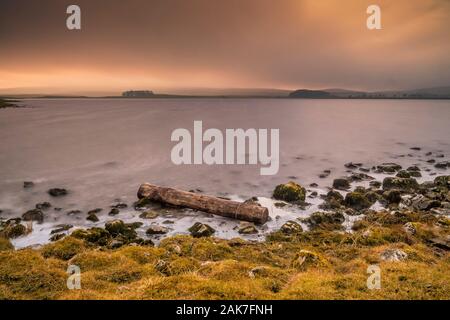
(397, 222)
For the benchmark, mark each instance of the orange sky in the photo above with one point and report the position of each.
(169, 44)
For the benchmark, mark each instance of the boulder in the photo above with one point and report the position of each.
(247, 228)
(155, 229)
(402, 184)
(149, 214)
(290, 192)
(357, 201)
(341, 184)
(388, 167)
(28, 184)
(403, 174)
(43, 205)
(92, 217)
(33, 215)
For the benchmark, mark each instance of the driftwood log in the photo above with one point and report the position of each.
(222, 207)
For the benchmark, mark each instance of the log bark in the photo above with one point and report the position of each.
(222, 207)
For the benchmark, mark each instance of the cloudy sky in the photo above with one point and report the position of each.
(166, 45)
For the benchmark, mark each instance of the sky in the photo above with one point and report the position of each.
(168, 45)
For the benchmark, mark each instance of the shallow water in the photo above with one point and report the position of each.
(103, 149)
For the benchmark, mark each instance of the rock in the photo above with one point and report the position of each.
(201, 230)
(341, 184)
(28, 184)
(163, 267)
(409, 228)
(43, 205)
(134, 225)
(120, 205)
(94, 235)
(149, 214)
(155, 229)
(375, 184)
(402, 184)
(142, 203)
(441, 243)
(413, 168)
(442, 181)
(92, 217)
(393, 255)
(442, 165)
(392, 196)
(403, 174)
(116, 227)
(291, 227)
(289, 192)
(259, 271)
(421, 202)
(313, 185)
(57, 192)
(416, 148)
(74, 212)
(333, 200)
(364, 169)
(431, 161)
(415, 174)
(57, 237)
(357, 201)
(114, 211)
(61, 228)
(351, 165)
(331, 220)
(95, 211)
(247, 228)
(359, 176)
(33, 215)
(388, 167)
(280, 204)
(13, 230)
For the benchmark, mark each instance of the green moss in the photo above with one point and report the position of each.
(64, 249)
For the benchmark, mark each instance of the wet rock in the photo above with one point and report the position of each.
(291, 227)
(359, 176)
(388, 167)
(201, 230)
(442, 181)
(120, 205)
(114, 211)
(393, 255)
(33, 215)
(421, 202)
(143, 203)
(149, 214)
(289, 192)
(74, 212)
(57, 237)
(402, 184)
(134, 225)
(375, 184)
(403, 174)
(155, 229)
(94, 235)
(327, 220)
(431, 161)
(351, 165)
(280, 204)
(61, 228)
(57, 192)
(92, 217)
(442, 165)
(313, 185)
(416, 148)
(313, 195)
(28, 184)
(116, 227)
(364, 169)
(247, 228)
(413, 168)
(357, 201)
(392, 196)
(43, 205)
(95, 211)
(341, 184)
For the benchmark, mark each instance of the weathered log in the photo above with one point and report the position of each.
(222, 207)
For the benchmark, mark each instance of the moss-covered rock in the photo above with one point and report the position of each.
(291, 227)
(64, 249)
(201, 230)
(289, 192)
(33, 215)
(357, 201)
(402, 184)
(341, 183)
(325, 220)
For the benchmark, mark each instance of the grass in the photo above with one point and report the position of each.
(319, 264)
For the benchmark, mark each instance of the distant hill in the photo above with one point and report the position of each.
(310, 94)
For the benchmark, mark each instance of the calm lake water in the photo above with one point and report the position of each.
(103, 149)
